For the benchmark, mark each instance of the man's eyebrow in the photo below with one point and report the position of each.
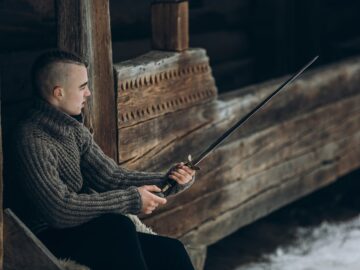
(85, 83)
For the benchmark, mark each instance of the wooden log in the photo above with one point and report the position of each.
(222, 225)
(23, 250)
(170, 25)
(161, 82)
(91, 38)
(197, 255)
(155, 144)
(284, 142)
(243, 178)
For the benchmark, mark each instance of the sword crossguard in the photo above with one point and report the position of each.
(191, 165)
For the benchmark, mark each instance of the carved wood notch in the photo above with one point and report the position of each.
(162, 82)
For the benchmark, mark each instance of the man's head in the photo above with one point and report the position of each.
(61, 78)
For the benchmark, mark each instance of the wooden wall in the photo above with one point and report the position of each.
(302, 140)
(247, 40)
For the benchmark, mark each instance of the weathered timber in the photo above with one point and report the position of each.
(161, 82)
(309, 130)
(197, 255)
(23, 250)
(160, 136)
(170, 25)
(244, 178)
(241, 215)
(84, 28)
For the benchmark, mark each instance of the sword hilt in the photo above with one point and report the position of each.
(170, 183)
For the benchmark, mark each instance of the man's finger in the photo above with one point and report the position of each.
(182, 177)
(188, 170)
(182, 172)
(159, 200)
(153, 188)
(177, 177)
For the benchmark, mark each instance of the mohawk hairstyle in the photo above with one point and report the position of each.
(48, 58)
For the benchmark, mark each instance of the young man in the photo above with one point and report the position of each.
(74, 193)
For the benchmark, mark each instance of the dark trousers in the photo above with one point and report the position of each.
(111, 242)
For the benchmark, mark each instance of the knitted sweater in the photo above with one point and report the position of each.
(60, 165)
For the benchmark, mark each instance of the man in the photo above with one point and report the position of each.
(74, 193)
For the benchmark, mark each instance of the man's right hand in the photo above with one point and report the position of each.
(149, 200)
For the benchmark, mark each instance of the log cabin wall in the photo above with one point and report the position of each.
(247, 42)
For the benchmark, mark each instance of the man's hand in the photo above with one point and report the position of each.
(181, 173)
(150, 201)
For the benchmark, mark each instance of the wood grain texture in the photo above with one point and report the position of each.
(157, 83)
(170, 25)
(152, 144)
(287, 151)
(304, 139)
(84, 28)
(23, 250)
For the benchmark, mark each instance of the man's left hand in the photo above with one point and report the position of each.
(181, 173)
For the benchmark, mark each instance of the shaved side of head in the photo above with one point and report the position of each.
(51, 69)
(54, 75)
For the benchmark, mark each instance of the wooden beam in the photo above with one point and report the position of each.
(310, 130)
(23, 250)
(84, 28)
(157, 83)
(170, 25)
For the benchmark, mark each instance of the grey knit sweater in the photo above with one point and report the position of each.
(60, 165)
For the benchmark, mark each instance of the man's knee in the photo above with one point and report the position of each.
(176, 245)
(117, 222)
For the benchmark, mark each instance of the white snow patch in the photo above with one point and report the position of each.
(329, 246)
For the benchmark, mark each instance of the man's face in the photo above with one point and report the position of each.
(75, 91)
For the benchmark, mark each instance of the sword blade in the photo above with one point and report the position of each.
(243, 120)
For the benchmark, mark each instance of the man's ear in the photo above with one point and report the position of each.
(58, 92)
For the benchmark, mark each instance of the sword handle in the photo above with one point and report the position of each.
(170, 183)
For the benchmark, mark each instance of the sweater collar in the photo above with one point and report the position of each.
(55, 119)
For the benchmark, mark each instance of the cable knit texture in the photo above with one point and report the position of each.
(67, 178)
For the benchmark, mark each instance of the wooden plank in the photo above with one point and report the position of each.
(271, 199)
(197, 255)
(280, 156)
(170, 25)
(283, 142)
(161, 82)
(84, 28)
(23, 250)
(157, 143)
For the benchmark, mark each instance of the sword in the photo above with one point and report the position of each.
(193, 163)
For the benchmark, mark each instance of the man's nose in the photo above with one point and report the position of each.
(87, 92)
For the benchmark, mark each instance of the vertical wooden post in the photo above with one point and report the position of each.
(84, 28)
(170, 25)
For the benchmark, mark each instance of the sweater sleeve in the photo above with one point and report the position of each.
(103, 173)
(59, 206)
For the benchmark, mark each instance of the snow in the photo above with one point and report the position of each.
(329, 246)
